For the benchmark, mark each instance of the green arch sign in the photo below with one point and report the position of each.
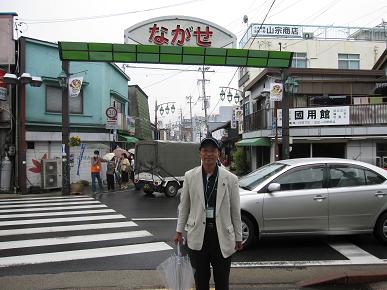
(139, 53)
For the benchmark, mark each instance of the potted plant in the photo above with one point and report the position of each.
(78, 186)
(75, 141)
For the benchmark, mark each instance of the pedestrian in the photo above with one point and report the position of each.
(209, 211)
(96, 172)
(132, 167)
(110, 171)
(125, 170)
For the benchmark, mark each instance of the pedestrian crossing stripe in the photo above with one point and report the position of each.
(72, 240)
(50, 204)
(83, 254)
(26, 198)
(43, 201)
(53, 208)
(26, 231)
(61, 213)
(61, 220)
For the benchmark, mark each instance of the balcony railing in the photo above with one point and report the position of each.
(359, 115)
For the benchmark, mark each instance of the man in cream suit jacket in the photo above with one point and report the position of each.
(209, 211)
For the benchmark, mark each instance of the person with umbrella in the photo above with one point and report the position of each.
(125, 170)
(110, 170)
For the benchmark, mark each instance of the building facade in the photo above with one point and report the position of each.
(334, 111)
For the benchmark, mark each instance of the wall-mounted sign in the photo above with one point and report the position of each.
(179, 31)
(276, 91)
(277, 30)
(319, 116)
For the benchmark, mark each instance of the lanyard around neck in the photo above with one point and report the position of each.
(212, 190)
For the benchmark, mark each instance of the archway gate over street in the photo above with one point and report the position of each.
(156, 54)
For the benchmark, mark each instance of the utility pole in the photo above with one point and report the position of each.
(285, 117)
(65, 133)
(204, 97)
(189, 98)
(156, 130)
(181, 125)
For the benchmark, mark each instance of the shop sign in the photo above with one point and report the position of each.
(180, 31)
(319, 116)
(277, 30)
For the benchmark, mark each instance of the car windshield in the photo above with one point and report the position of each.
(252, 179)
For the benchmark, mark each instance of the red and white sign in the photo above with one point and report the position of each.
(111, 113)
(180, 31)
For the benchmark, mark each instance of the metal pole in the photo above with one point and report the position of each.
(65, 133)
(190, 115)
(285, 118)
(276, 149)
(156, 131)
(22, 141)
(21, 108)
(205, 99)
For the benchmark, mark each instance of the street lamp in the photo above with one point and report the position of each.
(230, 95)
(290, 89)
(161, 110)
(21, 82)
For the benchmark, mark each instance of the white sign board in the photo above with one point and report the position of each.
(111, 124)
(177, 30)
(277, 30)
(319, 116)
(276, 91)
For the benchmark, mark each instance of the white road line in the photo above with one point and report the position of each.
(60, 220)
(44, 197)
(43, 201)
(51, 204)
(83, 254)
(355, 254)
(51, 208)
(64, 213)
(72, 240)
(154, 219)
(26, 231)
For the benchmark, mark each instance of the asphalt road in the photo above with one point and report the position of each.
(130, 231)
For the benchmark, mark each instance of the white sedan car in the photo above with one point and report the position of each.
(314, 196)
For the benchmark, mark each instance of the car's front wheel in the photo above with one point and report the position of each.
(381, 228)
(248, 231)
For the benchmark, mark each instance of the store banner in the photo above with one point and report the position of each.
(83, 147)
(75, 86)
(276, 91)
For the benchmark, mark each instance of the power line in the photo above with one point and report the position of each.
(41, 21)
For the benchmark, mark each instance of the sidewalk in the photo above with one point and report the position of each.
(246, 278)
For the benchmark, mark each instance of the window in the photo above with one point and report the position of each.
(373, 178)
(54, 101)
(349, 61)
(343, 176)
(299, 60)
(307, 177)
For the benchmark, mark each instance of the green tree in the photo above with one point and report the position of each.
(240, 163)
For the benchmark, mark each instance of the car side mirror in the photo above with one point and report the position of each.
(274, 187)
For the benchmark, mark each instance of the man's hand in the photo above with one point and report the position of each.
(238, 246)
(178, 238)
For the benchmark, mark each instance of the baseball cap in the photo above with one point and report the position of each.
(209, 140)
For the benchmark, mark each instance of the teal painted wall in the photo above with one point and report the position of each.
(42, 59)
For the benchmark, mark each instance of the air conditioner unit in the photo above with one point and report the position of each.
(307, 35)
(51, 173)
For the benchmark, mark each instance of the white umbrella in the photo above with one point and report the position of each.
(108, 156)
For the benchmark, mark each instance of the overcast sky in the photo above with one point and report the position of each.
(105, 21)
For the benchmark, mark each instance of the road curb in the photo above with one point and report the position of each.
(345, 279)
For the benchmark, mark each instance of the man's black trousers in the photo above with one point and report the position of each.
(210, 254)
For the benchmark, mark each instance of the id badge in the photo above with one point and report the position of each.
(210, 213)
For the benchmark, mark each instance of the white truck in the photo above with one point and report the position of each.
(160, 165)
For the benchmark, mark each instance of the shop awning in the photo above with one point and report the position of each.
(262, 141)
(129, 139)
